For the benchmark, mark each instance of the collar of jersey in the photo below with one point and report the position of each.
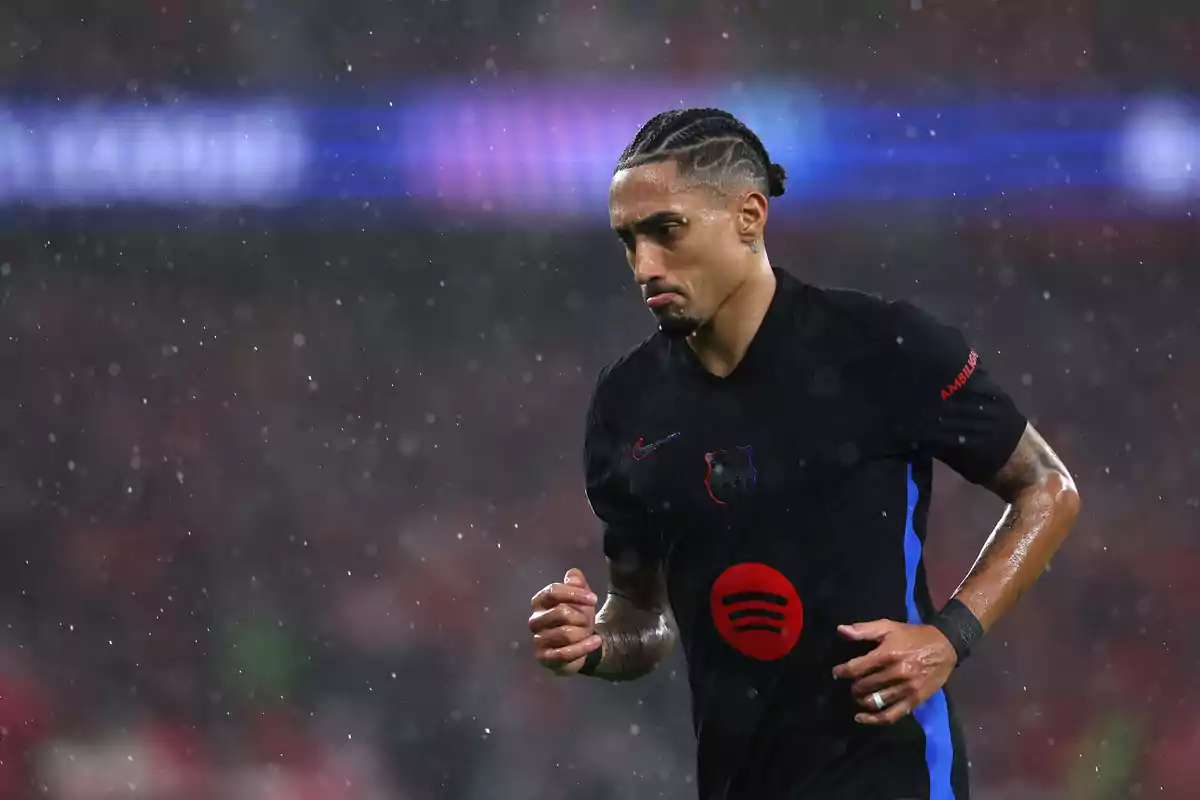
(760, 351)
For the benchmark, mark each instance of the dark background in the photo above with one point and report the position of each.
(278, 477)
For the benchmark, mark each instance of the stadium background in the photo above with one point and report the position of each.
(300, 305)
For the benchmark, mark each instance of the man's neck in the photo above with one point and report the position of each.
(722, 343)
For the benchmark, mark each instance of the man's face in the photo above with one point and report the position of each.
(685, 243)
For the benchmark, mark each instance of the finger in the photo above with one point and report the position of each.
(868, 631)
(563, 593)
(891, 695)
(557, 593)
(560, 656)
(889, 678)
(888, 696)
(560, 637)
(877, 659)
(558, 615)
(575, 577)
(889, 716)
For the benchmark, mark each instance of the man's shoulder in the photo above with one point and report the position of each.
(902, 339)
(883, 335)
(632, 368)
(865, 308)
(863, 318)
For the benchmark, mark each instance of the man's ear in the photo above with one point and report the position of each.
(751, 216)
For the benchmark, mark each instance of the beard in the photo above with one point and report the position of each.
(677, 325)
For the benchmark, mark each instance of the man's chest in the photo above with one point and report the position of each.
(774, 489)
(695, 452)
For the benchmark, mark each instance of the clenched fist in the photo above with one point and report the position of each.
(563, 623)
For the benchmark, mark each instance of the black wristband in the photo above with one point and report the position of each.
(958, 624)
(592, 661)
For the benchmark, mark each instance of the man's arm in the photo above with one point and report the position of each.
(913, 661)
(1043, 503)
(635, 621)
(950, 409)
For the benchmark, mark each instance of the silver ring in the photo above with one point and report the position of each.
(877, 699)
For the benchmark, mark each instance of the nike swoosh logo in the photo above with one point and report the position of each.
(641, 451)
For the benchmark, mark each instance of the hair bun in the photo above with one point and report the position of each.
(776, 175)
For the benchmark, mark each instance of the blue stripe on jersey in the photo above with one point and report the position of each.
(933, 715)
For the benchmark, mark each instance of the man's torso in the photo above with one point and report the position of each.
(785, 506)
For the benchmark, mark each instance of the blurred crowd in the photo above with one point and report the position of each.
(276, 502)
(165, 49)
(275, 496)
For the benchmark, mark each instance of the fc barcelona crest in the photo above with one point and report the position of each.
(731, 475)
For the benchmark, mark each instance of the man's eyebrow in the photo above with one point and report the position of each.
(653, 220)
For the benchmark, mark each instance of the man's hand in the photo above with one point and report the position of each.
(910, 663)
(563, 623)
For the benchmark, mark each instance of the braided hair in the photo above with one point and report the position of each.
(707, 144)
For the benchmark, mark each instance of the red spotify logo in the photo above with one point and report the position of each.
(757, 611)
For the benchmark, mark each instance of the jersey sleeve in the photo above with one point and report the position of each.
(629, 538)
(949, 407)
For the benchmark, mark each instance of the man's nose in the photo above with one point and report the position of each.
(648, 265)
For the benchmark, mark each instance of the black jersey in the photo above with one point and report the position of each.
(784, 500)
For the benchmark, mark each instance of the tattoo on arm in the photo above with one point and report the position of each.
(1031, 461)
(1043, 503)
(634, 621)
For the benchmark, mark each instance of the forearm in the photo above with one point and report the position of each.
(636, 640)
(1035, 524)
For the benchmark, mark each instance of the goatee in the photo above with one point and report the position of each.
(678, 327)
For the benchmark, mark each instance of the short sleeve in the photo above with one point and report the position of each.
(948, 406)
(629, 538)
